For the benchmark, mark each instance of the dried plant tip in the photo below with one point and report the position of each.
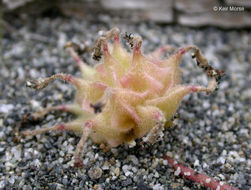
(78, 48)
(129, 38)
(42, 83)
(202, 62)
(97, 54)
(193, 55)
(113, 33)
(133, 41)
(37, 84)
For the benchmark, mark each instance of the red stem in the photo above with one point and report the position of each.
(190, 174)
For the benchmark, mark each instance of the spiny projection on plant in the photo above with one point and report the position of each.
(126, 96)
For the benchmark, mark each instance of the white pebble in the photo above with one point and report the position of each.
(125, 168)
(221, 183)
(128, 173)
(35, 104)
(5, 108)
(16, 151)
(158, 187)
(165, 162)
(156, 175)
(196, 163)
(2, 184)
(208, 180)
(134, 159)
(177, 172)
(187, 173)
(221, 160)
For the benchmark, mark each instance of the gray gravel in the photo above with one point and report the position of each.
(212, 134)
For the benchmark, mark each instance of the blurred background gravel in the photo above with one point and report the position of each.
(211, 134)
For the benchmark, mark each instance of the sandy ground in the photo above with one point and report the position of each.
(211, 135)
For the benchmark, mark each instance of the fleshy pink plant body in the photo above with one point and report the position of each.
(127, 96)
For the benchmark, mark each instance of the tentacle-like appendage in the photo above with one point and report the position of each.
(170, 101)
(73, 125)
(157, 131)
(110, 71)
(72, 108)
(202, 62)
(42, 83)
(209, 89)
(87, 71)
(200, 58)
(161, 50)
(87, 128)
(214, 74)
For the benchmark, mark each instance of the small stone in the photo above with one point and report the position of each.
(126, 182)
(221, 160)
(27, 187)
(196, 163)
(95, 187)
(177, 172)
(2, 184)
(105, 166)
(156, 175)
(5, 108)
(125, 168)
(134, 159)
(165, 162)
(117, 171)
(95, 173)
(16, 151)
(187, 173)
(175, 185)
(208, 180)
(158, 187)
(128, 173)
(65, 181)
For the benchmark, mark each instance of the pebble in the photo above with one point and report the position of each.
(126, 182)
(177, 172)
(105, 166)
(95, 173)
(158, 187)
(134, 159)
(65, 181)
(117, 171)
(27, 187)
(5, 108)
